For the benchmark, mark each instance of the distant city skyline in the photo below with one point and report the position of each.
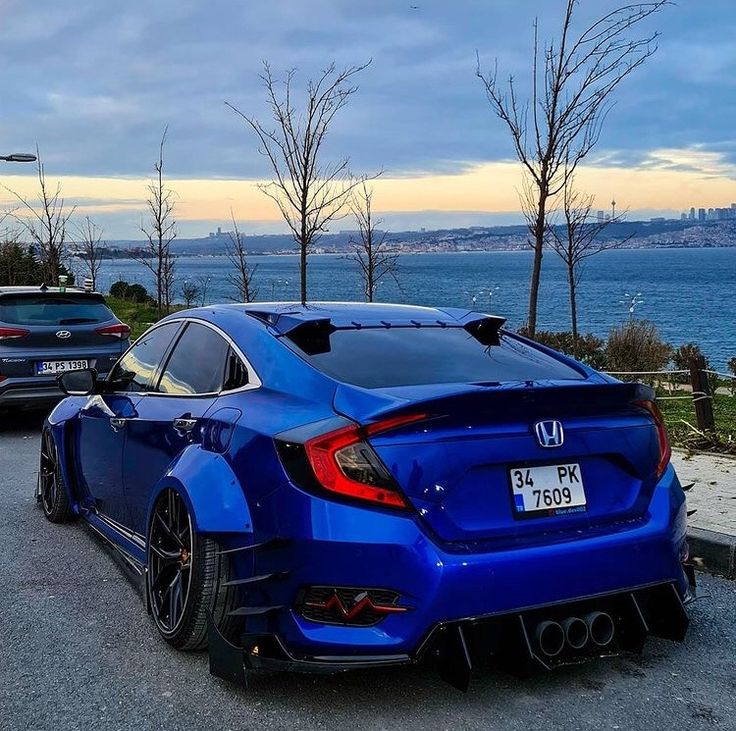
(726, 213)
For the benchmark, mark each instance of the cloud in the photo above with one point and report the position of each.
(95, 88)
(92, 107)
(705, 163)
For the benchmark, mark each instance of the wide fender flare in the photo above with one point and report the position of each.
(211, 491)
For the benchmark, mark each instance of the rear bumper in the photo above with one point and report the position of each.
(440, 588)
(18, 394)
(509, 641)
(30, 393)
(21, 388)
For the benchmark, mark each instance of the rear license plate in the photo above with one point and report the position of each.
(52, 367)
(547, 491)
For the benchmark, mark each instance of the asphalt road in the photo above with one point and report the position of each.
(77, 651)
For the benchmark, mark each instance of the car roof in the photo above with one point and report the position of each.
(27, 289)
(286, 315)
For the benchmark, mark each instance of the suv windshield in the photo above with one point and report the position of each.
(53, 309)
(401, 356)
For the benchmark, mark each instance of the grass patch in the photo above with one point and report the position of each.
(677, 413)
(139, 316)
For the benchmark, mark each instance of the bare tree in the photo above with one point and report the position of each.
(160, 233)
(203, 284)
(89, 237)
(190, 291)
(573, 79)
(46, 224)
(579, 238)
(308, 191)
(370, 250)
(242, 278)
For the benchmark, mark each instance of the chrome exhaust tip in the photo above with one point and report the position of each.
(601, 628)
(576, 632)
(550, 637)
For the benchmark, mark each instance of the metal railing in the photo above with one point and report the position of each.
(699, 385)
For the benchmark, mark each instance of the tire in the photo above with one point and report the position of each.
(51, 492)
(186, 577)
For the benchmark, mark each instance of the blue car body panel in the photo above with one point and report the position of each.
(460, 552)
(211, 492)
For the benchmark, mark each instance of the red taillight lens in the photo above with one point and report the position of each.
(120, 331)
(344, 463)
(11, 333)
(665, 450)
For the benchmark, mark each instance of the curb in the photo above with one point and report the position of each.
(685, 453)
(713, 552)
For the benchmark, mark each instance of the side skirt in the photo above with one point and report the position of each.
(125, 553)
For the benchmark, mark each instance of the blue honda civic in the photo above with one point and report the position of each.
(332, 486)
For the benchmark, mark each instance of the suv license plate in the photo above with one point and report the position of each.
(53, 367)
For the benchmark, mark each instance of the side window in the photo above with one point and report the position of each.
(236, 374)
(135, 370)
(197, 363)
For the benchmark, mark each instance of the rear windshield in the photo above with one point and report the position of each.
(386, 357)
(54, 309)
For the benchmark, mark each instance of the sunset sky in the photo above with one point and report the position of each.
(94, 84)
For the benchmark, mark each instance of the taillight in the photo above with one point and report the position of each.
(665, 450)
(120, 331)
(344, 463)
(11, 333)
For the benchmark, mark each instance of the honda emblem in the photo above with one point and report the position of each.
(549, 433)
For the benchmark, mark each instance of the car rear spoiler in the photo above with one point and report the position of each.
(496, 401)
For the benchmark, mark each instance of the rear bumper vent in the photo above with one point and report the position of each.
(354, 607)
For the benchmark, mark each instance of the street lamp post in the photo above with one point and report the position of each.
(18, 157)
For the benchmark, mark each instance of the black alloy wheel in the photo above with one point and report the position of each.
(186, 577)
(170, 561)
(51, 492)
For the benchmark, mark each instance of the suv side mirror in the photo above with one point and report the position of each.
(78, 383)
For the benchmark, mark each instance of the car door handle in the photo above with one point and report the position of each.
(184, 424)
(117, 423)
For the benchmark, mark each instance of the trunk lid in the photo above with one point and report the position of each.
(455, 466)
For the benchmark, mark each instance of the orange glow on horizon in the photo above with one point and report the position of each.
(667, 180)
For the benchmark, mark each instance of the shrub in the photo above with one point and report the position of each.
(137, 293)
(119, 289)
(18, 265)
(732, 365)
(590, 350)
(130, 292)
(682, 356)
(636, 346)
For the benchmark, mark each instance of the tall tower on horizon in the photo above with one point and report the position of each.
(613, 208)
